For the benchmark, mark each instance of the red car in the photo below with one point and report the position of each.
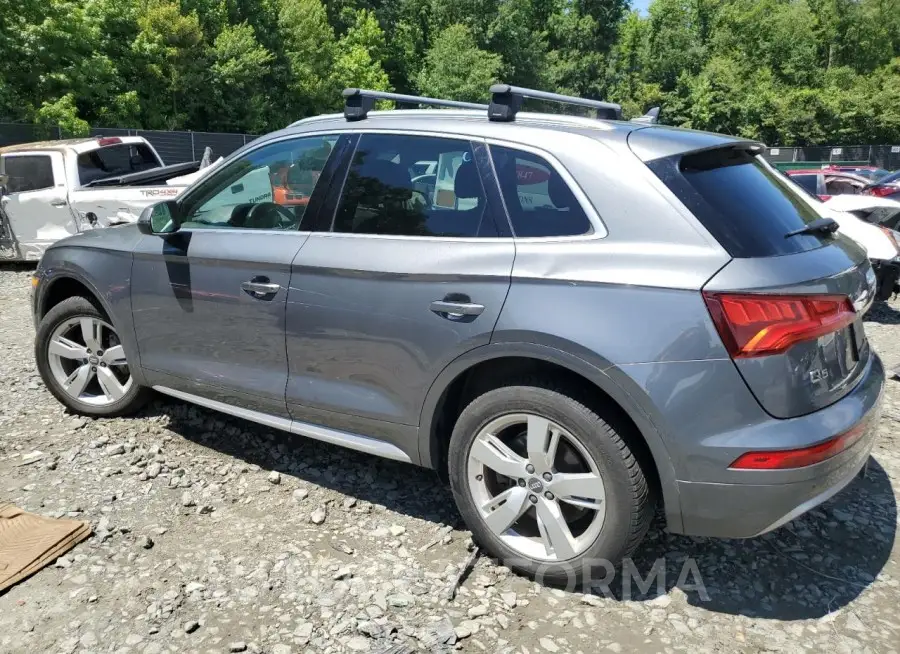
(826, 182)
(871, 173)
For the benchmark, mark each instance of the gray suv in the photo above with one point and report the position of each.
(571, 319)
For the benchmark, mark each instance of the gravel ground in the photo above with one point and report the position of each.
(214, 535)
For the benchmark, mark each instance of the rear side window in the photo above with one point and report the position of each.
(28, 173)
(115, 160)
(742, 203)
(404, 185)
(538, 199)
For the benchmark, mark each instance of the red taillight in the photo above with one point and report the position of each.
(800, 458)
(109, 140)
(824, 198)
(880, 191)
(754, 325)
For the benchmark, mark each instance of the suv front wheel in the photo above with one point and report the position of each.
(82, 362)
(547, 486)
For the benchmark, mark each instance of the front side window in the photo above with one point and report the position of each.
(538, 199)
(268, 188)
(402, 185)
(28, 173)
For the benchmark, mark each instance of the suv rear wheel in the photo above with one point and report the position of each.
(546, 485)
(82, 362)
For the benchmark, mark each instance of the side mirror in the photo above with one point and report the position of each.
(160, 218)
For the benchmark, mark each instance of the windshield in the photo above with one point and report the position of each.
(893, 178)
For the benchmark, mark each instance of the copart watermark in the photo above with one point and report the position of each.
(624, 582)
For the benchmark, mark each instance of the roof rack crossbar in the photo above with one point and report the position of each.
(506, 101)
(359, 102)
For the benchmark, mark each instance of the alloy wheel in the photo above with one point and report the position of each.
(87, 361)
(536, 487)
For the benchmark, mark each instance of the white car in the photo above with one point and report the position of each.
(871, 222)
(53, 189)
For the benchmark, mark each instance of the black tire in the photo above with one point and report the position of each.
(77, 307)
(629, 498)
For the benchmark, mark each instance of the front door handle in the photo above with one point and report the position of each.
(260, 288)
(58, 203)
(457, 309)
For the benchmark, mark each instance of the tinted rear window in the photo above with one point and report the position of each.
(741, 202)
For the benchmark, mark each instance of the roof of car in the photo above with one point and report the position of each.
(647, 141)
(79, 145)
(57, 145)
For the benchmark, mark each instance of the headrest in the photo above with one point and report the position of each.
(559, 192)
(387, 172)
(467, 183)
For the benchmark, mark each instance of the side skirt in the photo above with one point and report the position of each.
(344, 439)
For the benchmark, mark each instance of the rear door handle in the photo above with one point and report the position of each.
(58, 203)
(260, 288)
(457, 309)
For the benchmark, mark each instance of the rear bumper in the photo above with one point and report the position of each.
(757, 501)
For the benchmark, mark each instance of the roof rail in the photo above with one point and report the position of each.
(359, 102)
(506, 101)
(649, 118)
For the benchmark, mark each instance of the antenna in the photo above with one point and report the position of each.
(649, 118)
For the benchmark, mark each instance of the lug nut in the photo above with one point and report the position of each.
(533, 499)
(521, 482)
(548, 495)
(548, 476)
(529, 468)
(99, 353)
(88, 351)
(93, 368)
(477, 477)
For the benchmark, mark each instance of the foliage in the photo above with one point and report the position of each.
(789, 72)
(455, 67)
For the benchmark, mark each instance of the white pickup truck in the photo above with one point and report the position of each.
(54, 189)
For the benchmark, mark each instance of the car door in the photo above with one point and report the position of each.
(209, 300)
(405, 278)
(35, 202)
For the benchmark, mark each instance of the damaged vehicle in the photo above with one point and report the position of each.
(54, 189)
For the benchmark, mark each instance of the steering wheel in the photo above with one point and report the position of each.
(268, 215)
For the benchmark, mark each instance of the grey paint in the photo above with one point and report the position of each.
(350, 351)
(362, 339)
(194, 322)
(784, 383)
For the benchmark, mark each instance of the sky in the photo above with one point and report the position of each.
(641, 5)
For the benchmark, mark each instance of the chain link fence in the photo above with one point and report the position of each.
(180, 147)
(173, 147)
(883, 156)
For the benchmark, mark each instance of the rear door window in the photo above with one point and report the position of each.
(28, 173)
(537, 197)
(742, 203)
(388, 193)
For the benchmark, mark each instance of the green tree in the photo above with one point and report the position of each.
(456, 68)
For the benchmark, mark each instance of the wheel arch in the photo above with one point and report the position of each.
(62, 278)
(450, 387)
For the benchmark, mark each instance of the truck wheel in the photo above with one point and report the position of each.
(547, 486)
(82, 362)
